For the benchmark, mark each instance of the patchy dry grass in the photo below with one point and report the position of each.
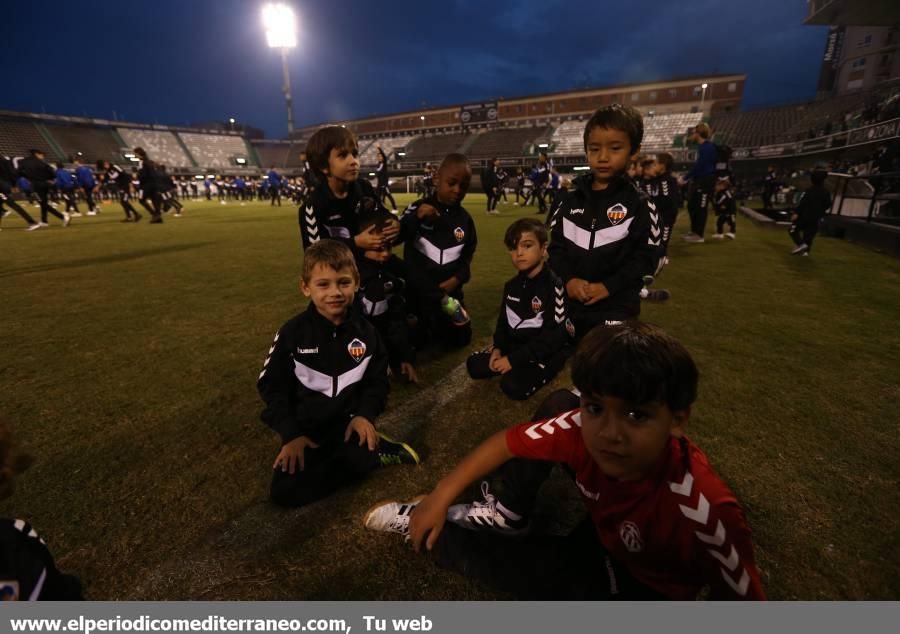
(130, 355)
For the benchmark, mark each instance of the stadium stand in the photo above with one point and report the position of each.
(507, 142)
(94, 143)
(660, 130)
(297, 148)
(18, 137)
(388, 144)
(434, 147)
(272, 153)
(161, 145)
(214, 150)
(756, 127)
(568, 138)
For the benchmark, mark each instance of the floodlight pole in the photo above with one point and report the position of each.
(286, 88)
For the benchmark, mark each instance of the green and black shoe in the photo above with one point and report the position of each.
(392, 452)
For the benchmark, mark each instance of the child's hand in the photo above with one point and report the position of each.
(596, 292)
(426, 211)
(450, 285)
(495, 355)
(577, 289)
(502, 365)
(369, 240)
(291, 455)
(427, 521)
(391, 229)
(407, 370)
(364, 429)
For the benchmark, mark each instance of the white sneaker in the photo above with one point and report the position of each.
(718, 236)
(800, 249)
(694, 239)
(488, 515)
(806, 254)
(34, 227)
(66, 219)
(391, 516)
(75, 214)
(6, 212)
(730, 235)
(92, 213)
(43, 224)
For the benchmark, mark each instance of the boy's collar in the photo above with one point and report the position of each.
(348, 315)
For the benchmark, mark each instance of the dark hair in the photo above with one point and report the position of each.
(331, 253)
(637, 362)
(617, 117)
(703, 130)
(665, 159)
(525, 225)
(818, 177)
(454, 158)
(101, 164)
(320, 144)
(141, 153)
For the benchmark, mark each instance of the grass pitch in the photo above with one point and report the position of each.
(128, 368)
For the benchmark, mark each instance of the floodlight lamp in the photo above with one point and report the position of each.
(280, 25)
(543, 145)
(422, 117)
(371, 173)
(231, 120)
(581, 168)
(198, 177)
(704, 86)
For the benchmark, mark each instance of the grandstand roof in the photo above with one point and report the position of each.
(688, 79)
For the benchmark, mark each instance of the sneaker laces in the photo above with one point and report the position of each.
(486, 509)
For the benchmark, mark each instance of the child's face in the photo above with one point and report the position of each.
(720, 185)
(624, 440)
(529, 252)
(330, 291)
(452, 183)
(659, 168)
(381, 255)
(608, 153)
(650, 170)
(343, 164)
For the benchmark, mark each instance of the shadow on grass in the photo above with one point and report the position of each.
(104, 259)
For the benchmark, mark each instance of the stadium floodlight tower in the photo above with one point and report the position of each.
(703, 87)
(281, 33)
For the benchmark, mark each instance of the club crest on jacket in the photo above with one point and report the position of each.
(357, 350)
(617, 213)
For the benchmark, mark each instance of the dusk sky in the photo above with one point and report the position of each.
(186, 61)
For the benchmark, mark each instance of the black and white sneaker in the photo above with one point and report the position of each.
(391, 516)
(488, 515)
(391, 452)
(800, 249)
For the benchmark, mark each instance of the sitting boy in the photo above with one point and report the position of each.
(324, 384)
(440, 242)
(27, 570)
(382, 281)
(605, 233)
(662, 524)
(333, 209)
(531, 343)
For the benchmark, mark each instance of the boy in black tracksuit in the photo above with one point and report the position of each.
(489, 185)
(726, 209)
(115, 175)
(148, 178)
(7, 180)
(440, 243)
(333, 209)
(667, 199)
(41, 176)
(324, 383)
(605, 233)
(382, 281)
(520, 187)
(531, 341)
(381, 173)
(813, 206)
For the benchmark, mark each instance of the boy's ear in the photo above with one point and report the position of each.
(680, 420)
(304, 288)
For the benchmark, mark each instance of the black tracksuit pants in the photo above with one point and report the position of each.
(522, 380)
(725, 219)
(539, 567)
(7, 201)
(698, 205)
(333, 465)
(43, 194)
(804, 233)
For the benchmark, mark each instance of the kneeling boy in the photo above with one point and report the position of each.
(662, 524)
(324, 384)
(531, 343)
